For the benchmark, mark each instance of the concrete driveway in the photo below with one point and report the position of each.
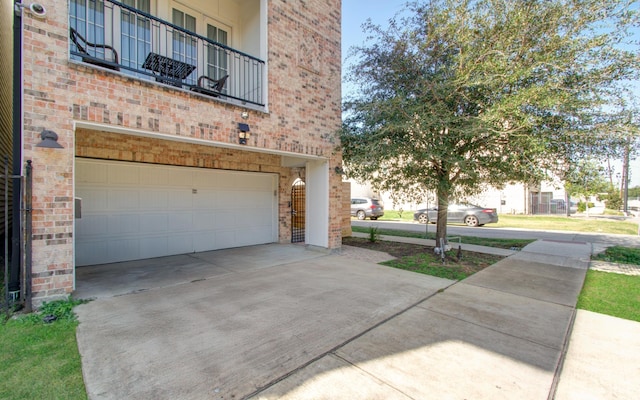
(282, 322)
(232, 322)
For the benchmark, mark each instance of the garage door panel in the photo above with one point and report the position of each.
(123, 199)
(132, 211)
(180, 243)
(180, 199)
(99, 199)
(204, 220)
(91, 173)
(179, 177)
(123, 249)
(154, 246)
(205, 199)
(123, 224)
(119, 174)
(91, 250)
(93, 225)
(203, 178)
(204, 241)
(153, 223)
(154, 199)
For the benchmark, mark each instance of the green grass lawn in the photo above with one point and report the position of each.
(38, 360)
(491, 242)
(611, 294)
(621, 255)
(561, 223)
(551, 222)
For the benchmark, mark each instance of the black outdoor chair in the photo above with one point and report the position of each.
(85, 46)
(210, 87)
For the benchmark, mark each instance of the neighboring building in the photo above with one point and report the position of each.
(190, 139)
(512, 199)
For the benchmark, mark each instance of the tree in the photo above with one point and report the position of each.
(587, 178)
(463, 94)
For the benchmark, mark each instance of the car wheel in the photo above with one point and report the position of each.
(423, 218)
(471, 220)
(361, 215)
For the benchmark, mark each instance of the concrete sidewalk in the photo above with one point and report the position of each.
(331, 327)
(499, 334)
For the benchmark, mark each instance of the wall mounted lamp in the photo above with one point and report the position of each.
(35, 9)
(339, 170)
(244, 134)
(49, 140)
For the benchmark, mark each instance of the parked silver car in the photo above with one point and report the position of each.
(469, 214)
(363, 207)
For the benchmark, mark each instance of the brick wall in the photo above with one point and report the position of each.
(303, 117)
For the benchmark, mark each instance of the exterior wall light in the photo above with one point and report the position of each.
(49, 140)
(244, 134)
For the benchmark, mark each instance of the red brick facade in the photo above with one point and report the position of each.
(302, 117)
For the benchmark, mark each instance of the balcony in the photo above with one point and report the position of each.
(130, 40)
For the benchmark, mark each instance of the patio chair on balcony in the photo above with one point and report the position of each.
(210, 87)
(85, 46)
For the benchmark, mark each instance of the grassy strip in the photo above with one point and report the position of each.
(560, 223)
(611, 294)
(430, 264)
(621, 255)
(40, 360)
(491, 242)
(537, 222)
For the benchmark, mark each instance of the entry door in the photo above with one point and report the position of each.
(298, 210)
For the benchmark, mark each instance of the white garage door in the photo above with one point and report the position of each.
(133, 211)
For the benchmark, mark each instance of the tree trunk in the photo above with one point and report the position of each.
(443, 206)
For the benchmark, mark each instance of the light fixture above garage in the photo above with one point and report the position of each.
(244, 134)
(49, 140)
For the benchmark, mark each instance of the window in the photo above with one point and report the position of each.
(87, 17)
(185, 47)
(217, 62)
(135, 34)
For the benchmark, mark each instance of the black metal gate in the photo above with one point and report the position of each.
(20, 276)
(298, 211)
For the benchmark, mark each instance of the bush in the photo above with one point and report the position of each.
(613, 201)
(582, 206)
(374, 236)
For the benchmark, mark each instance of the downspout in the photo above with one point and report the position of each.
(16, 254)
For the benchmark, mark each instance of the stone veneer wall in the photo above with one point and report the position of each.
(303, 117)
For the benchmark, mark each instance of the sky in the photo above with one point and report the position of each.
(356, 12)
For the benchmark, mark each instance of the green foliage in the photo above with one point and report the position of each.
(40, 361)
(619, 254)
(613, 201)
(462, 94)
(491, 242)
(582, 206)
(62, 310)
(586, 178)
(617, 295)
(429, 265)
(374, 236)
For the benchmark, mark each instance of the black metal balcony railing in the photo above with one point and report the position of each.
(113, 35)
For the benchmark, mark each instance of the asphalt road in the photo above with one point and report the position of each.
(487, 231)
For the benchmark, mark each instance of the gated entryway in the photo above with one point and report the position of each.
(298, 211)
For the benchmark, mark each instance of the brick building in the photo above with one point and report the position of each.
(181, 127)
